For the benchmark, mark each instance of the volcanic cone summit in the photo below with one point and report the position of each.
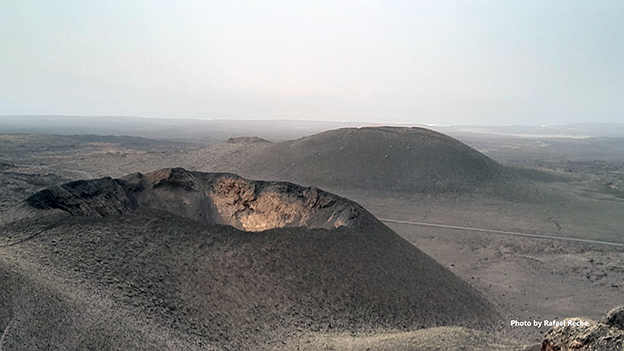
(380, 158)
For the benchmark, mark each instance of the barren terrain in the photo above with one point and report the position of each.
(526, 278)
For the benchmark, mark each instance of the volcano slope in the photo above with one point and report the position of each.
(376, 158)
(187, 260)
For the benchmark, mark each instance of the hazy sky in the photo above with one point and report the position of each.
(439, 62)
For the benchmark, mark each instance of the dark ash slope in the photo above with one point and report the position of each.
(156, 245)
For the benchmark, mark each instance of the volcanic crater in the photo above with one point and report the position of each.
(214, 257)
(211, 198)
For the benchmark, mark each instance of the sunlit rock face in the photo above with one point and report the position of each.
(254, 206)
(213, 198)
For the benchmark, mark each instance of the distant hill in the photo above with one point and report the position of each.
(380, 158)
(157, 261)
(247, 140)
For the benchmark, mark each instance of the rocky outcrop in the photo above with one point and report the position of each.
(586, 335)
(212, 198)
(615, 317)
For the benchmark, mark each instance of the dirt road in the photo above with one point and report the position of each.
(503, 232)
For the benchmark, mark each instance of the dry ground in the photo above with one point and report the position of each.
(527, 278)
